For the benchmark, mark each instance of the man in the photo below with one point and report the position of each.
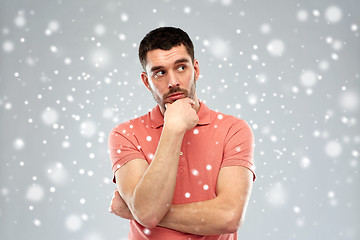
(182, 171)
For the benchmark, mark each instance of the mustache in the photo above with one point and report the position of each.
(176, 90)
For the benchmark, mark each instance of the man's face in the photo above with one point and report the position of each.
(170, 75)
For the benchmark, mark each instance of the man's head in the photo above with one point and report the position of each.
(170, 70)
(164, 38)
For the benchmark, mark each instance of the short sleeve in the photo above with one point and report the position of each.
(123, 147)
(239, 147)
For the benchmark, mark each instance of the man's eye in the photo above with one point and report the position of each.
(182, 68)
(159, 73)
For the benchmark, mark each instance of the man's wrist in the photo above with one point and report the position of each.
(174, 128)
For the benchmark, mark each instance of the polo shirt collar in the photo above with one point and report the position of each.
(157, 119)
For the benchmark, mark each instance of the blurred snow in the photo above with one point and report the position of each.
(20, 20)
(265, 28)
(37, 222)
(349, 101)
(69, 73)
(19, 144)
(308, 78)
(99, 57)
(277, 195)
(333, 149)
(57, 173)
(93, 236)
(88, 128)
(8, 46)
(302, 15)
(252, 99)
(49, 116)
(219, 48)
(73, 222)
(35, 193)
(52, 27)
(333, 14)
(305, 162)
(100, 30)
(276, 47)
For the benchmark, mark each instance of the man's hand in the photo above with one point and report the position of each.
(119, 207)
(181, 115)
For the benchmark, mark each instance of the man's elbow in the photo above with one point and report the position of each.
(145, 214)
(149, 221)
(233, 223)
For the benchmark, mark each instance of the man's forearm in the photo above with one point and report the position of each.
(209, 217)
(154, 192)
(195, 218)
(223, 214)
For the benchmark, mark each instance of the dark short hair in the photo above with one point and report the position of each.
(164, 38)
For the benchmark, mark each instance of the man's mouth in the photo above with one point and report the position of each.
(176, 96)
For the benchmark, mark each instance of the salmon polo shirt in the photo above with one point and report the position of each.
(217, 141)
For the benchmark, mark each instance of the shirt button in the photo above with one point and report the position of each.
(181, 153)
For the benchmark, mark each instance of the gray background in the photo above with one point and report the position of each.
(70, 73)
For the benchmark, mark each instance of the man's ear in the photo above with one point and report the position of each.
(145, 80)
(196, 69)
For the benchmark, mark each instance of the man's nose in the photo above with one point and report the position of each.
(173, 82)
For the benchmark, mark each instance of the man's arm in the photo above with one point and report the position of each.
(146, 189)
(223, 214)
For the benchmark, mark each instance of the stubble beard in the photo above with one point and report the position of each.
(190, 94)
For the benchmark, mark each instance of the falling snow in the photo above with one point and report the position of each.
(73, 222)
(19, 144)
(276, 47)
(349, 101)
(302, 15)
(57, 174)
(333, 149)
(49, 116)
(277, 195)
(308, 78)
(88, 128)
(219, 48)
(333, 14)
(69, 75)
(8, 46)
(35, 193)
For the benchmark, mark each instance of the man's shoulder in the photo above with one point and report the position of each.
(225, 119)
(132, 124)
